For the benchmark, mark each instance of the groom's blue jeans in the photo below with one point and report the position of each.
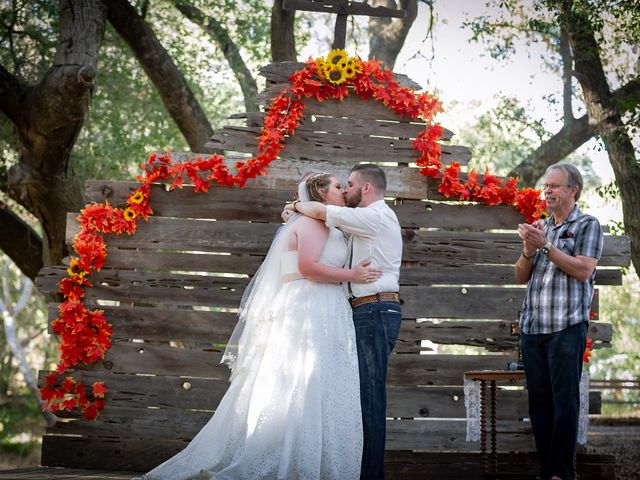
(553, 365)
(377, 326)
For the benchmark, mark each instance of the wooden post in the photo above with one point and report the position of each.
(343, 8)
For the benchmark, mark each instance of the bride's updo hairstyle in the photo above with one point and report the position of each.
(317, 185)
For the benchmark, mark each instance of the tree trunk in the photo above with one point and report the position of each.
(47, 118)
(20, 242)
(283, 44)
(605, 119)
(230, 51)
(163, 73)
(387, 35)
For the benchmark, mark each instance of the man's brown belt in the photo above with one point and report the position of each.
(378, 297)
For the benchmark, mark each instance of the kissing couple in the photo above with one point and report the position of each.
(309, 353)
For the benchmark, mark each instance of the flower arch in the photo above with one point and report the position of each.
(85, 335)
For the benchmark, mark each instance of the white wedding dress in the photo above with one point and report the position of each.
(292, 410)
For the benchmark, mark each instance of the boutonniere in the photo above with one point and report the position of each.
(567, 234)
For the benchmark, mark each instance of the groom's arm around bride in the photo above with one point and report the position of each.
(374, 234)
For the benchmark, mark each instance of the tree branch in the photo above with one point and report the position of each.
(387, 35)
(570, 137)
(20, 242)
(567, 76)
(163, 72)
(11, 92)
(229, 49)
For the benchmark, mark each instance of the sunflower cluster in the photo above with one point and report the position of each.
(338, 67)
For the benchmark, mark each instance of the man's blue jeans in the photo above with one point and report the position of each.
(377, 326)
(553, 365)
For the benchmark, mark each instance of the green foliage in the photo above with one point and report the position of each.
(619, 306)
(506, 135)
(17, 417)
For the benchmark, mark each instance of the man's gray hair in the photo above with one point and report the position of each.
(574, 178)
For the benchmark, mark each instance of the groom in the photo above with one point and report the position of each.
(375, 235)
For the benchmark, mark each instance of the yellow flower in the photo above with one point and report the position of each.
(336, 75)
(129, 214)
(137, 198)
(74, 269)
(349, 72)
(357, 66)
(337, 56)
(320, 69)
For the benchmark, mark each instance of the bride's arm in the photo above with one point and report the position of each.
(312, 237)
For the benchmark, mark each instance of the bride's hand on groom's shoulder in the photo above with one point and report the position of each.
(287, 211)
(365, 272)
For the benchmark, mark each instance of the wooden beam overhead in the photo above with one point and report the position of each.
(344, 8)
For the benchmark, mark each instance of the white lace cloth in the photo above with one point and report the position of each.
(472, 406)
(292, 410)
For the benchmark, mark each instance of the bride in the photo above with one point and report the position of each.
(292, 410)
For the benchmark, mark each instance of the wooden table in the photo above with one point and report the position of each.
(489, 464)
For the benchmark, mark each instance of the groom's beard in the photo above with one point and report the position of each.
(355, 200)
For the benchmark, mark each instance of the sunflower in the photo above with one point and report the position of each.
(129, 214)
(357, 66)
(75, 270)
(336, 75)
(137, 198)
(337, 56)
(349, 71)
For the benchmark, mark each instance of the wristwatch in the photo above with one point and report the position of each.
(545, 250)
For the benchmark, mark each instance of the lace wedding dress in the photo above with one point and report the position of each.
(292, 410)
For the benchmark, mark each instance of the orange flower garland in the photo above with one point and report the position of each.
(85, 335)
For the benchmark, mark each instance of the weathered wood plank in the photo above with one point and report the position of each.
(192, 235)
(165, 324)
(429, 273)
(137, 393)
(162, 359)
(59, 473)
(491, 334)
(439, 247)
(335, 6)
(333, 147)
(425, 434)
(450, 435)
(158, 287)
(404, 182)
(351, 106)
(204, 362)
(143, 455)
(223, 203)
(281, 71)
(400, 465)
(120, 454)
(352, 126)
(455, 247)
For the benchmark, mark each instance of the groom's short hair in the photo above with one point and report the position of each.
(372, 174)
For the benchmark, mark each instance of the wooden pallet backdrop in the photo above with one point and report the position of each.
(171, 290)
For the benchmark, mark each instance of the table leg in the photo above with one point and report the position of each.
(484, 464)
(494, 433)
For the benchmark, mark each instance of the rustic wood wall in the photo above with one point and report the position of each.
(171, 290)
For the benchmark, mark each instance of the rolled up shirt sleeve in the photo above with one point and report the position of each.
(363, 222)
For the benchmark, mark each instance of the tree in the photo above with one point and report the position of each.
(578, 20)
(48, 117)
(568, 29)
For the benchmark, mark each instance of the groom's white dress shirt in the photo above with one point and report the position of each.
(375, 233)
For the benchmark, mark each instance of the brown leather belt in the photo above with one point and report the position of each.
(378, 297)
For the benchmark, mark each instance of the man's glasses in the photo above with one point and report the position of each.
(554, 186)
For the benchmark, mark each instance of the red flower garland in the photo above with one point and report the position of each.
(85, 335)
